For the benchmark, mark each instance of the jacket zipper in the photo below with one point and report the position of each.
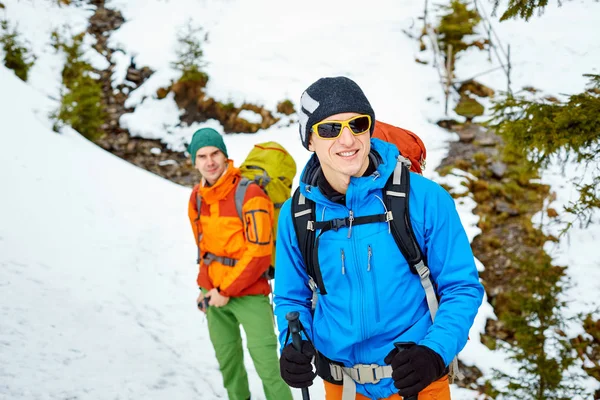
(360, 278)
(374, 283)
(343, 257)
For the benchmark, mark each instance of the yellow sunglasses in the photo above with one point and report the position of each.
(330, 129)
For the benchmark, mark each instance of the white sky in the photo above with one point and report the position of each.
(97, 261)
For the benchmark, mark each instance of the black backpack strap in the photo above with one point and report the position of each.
(397, 191)
(303, 215)
(337, 223)
(396, 194)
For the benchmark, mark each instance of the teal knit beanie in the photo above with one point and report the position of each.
(206, 137)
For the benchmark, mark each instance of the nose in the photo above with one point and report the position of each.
(346, 138)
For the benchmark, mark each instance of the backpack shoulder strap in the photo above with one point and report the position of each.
(261, 180)
(396, 193)
(198, 204)
(240, 194)
(303, 216)
(198, 207)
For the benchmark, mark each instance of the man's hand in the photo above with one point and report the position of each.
(296, 366)
(216, 298)
(202, 302)
(414, 369)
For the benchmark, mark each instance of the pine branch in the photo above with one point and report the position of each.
(547, 131)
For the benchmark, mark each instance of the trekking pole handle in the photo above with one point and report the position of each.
(204, 304)
(293, 318)
(401, 346)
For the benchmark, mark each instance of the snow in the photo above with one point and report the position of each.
(121, 61)
(250, 116)
(551, 52)
(152, 118)
(97, 261)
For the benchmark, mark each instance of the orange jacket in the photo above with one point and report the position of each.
(224, 234)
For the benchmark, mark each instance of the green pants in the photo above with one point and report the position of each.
(255, 315)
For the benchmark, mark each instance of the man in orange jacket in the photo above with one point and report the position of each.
(234, 254)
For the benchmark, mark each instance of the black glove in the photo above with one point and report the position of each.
(296, 367)
(414, 369)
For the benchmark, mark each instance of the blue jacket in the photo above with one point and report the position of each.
(373, 299)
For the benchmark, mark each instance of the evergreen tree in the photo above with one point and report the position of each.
(16, 56)
(548, 131)
(542, 351)
(81, 105)
(457, 22)
(190, 55)
(521, 8)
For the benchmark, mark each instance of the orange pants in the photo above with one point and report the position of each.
(438, 390)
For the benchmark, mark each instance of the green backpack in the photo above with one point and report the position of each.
(271, 167)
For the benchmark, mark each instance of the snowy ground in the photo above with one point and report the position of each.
(97, 261)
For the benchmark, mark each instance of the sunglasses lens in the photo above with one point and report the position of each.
(329, 130)
(360, 124)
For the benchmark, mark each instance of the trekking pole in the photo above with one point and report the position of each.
(294, 328)
(401, 346)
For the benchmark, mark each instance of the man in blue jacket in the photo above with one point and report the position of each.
(373, 300)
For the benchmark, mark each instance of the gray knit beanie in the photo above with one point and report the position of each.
(330, 96)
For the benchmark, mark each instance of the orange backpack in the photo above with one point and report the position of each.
(408, 143)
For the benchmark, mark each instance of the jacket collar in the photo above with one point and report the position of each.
(383, 155)
(222, 187)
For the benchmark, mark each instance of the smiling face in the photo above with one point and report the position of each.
(211, 162)
(345, 156)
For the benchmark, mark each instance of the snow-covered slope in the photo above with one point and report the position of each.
(97, 275)
(96, 271)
